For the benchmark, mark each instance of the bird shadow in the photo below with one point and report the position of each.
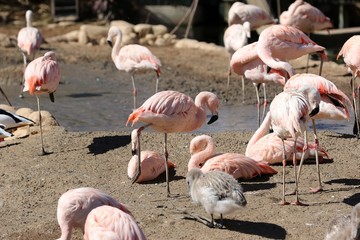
(341, 135)
(9, 145)
(162, 177)
(83, 95)
(104, 144)
(352, 200)
(344, 181)
(250, 187)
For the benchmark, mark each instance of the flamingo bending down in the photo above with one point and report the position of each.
(246, 62)
(107, 222)
(216, 191)
(350, 52)
(332, 106)
(289, 113)
(305, 17)
(278, 44)
(42, 75)
(152, 163)
(268, 147)
(75, 205)
(172, 111)
(203, 156)
(240, 12)
(132, 58)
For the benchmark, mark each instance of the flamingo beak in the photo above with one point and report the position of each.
(315, 111)
(110, 43)
(213, 119)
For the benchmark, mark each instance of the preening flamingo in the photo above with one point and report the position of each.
(132, 58)
(240, 12)
(170, 112)
(268, 147)
(75, 205)
(42, 75)
(345, 227)
(305, 17)
(203, 156)
(217, 191)
(246, 62)
(350, 52)
(278, 44)
(152, 163)
(107, 222)
(290, 112)
(332, 106)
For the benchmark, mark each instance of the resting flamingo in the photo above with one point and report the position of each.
(107, 222)
(240, 12)
(278, 44)
(75, 205)
(132, 58)
(290, 112)
(203, 156)
(246, 62)
(152, 163)
(170, 112)
(268, 147)
(350, 52)
(42, 75)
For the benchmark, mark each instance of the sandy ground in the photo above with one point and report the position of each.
(30, 185)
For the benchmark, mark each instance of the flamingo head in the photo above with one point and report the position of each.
(114, 31)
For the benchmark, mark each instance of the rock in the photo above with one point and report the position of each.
(22, 132)
(160, 42)
(7, 41)
(159, 29)
(129, 39)
(125, 27)
(7, 108)
(94, 32)
(72, 36)
(150, 36)
(44, 115)
(142, 29)
(83, 38)
(25, 112)
(191, 43)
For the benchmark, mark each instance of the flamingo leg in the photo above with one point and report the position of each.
(258, 102)
(297, 202)
(138, 152)
(22, 81)
(283, 202)
(43, 152)
(243, 88)
(228, 84)
(157, 82)
(321, 65)
(265, 103)
(134, 89)
(166, 165)
(6, 98)
(316, 140)
(307, 64)
(356, 129)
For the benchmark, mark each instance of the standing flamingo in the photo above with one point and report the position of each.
(350, 52)
(203, 156)
(132, 58)
(289, 113)
(305, 17)
(246, 62)
(75, 205)
(268, 147)
(172, 111)
(240, 12)
(332, 106)
(278, 44)
(107, 222)
(216, 191)
(152, 163)
(42, 75)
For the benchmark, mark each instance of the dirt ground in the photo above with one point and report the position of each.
(30, 185)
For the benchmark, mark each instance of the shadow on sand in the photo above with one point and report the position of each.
(104, 144)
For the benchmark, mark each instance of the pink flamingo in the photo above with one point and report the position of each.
(203, 156)
(132, 58)
(290, 112)
(152, 163)
(172, 111)
(107, 222)
(350, 52)
(42, 75)
(246, 62)
(75, 205)
(268, 147)
(240, 12)
(305, 17)
(278, 44)
(332, 106)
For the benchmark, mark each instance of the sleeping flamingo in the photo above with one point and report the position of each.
(75, 205)
(350, 52)
(42, 75)
(107, 222)
(170, 112)
(290, 112)
(132, 58)
(152, 163)
(203, 156)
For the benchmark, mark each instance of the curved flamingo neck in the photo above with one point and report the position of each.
(116, 48)
(198, 158)
(259, 133)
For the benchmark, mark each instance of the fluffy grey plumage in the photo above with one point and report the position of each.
(216, 191)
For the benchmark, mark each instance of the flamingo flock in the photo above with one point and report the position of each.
(212, 178)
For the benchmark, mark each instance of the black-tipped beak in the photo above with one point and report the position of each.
(133, 152)
(52, 97)
(315, 111)
(213, 119)
(110, 43)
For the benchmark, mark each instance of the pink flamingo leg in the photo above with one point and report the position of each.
(258, 102)
(297, 201)
(166, 165)
(283, 202)
(265, 103)
(43, 152)
(316, 141)
(228, 84)
(134, 89)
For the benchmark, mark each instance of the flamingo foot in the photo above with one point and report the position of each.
(316, 190)
(283, 203)
(44, 153)
(298, 203)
